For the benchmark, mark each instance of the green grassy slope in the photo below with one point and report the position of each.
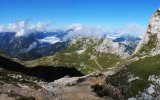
(142, 68)
(145, 67)
(87, 61)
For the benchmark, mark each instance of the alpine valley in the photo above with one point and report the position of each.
(53, 66)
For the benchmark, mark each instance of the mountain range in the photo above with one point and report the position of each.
(111, 67)
(39, 44)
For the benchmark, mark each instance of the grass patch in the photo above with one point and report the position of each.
(107, 60)
(145, 67)
(146, 48)
(83, 61)
(128, 89)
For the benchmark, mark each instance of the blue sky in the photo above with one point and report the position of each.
(106, 13)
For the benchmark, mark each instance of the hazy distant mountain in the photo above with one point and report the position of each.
(37, 44)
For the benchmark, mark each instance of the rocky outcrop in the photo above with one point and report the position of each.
(150, 44)
(67, 88)
(108, 46)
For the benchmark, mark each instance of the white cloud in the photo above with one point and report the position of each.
(83, 31)
(31, 46)
(24, 28)
(132, 29)
(2, 28)
(51, 40)
(76, 27)
(40, 26)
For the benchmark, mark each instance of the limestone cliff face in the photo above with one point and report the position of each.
(150, 44)
(104, 45)
(119, 49)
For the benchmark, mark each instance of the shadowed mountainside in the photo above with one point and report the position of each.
(48, 73)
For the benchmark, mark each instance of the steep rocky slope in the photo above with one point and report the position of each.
(148, 51)
(147, 64)
(119, 49)
(150, 44)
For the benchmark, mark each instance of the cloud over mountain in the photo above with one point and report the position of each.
(131, 28)
(83, 31)
(24, 28)
(51, 40)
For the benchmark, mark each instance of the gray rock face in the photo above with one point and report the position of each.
(146, 96)
(150, 44)
(158, 97)
(116, 46)
(108, 46)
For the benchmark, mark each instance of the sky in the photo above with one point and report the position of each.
(102, 13)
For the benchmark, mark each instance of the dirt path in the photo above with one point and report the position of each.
(98, 64)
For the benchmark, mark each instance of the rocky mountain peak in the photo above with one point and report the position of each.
(150, 44)
(108, 46)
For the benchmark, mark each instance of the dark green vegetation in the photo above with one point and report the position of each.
(107, 91)
(142, 68)
(145, 67)
(128, 89)
(82, 56)
(47, 73)
(119, 87)
(85, 63)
